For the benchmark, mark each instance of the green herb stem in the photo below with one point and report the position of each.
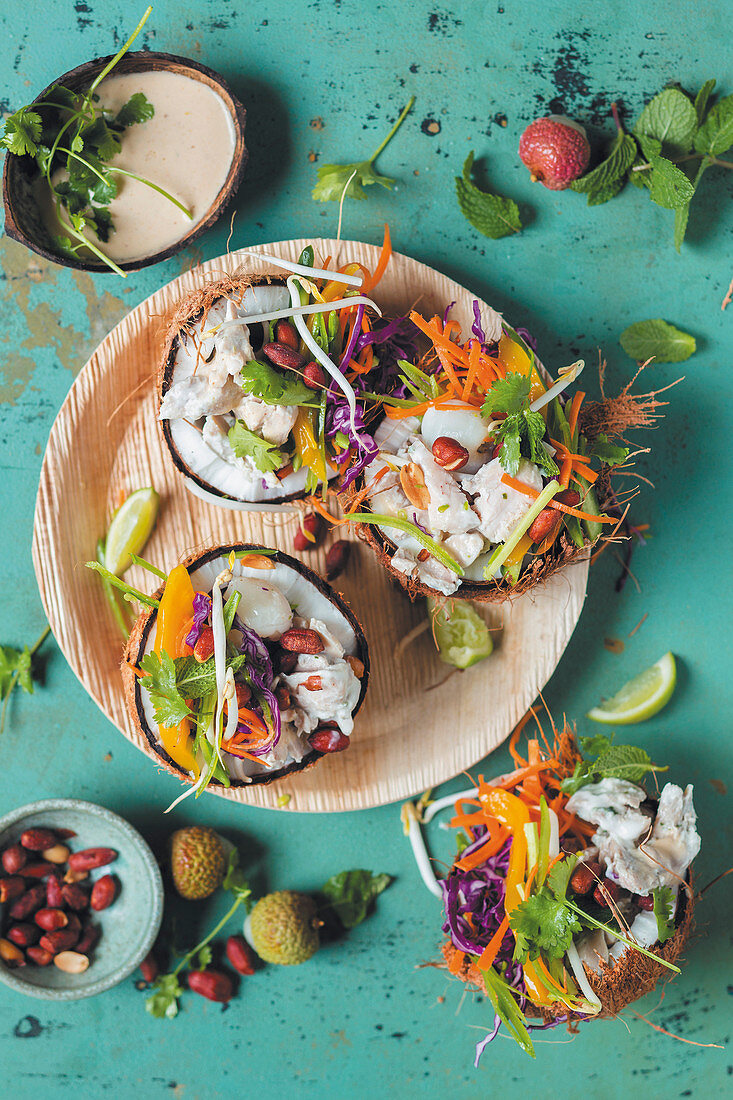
(207, 939)
(121, 52)
(393, 131)
(620, 936)
(160, 190)
(137, 560)
(411, 529)
(124, 587)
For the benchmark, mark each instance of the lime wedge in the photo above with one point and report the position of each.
(130, 529)
(461, 634)
(641, 698)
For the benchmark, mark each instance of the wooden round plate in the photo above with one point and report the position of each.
(420, 724)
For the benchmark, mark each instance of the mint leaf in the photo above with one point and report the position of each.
(627, 762)
(595, 744)
(493, 215)
(22, 132)
(668, 185)
(608, 178)
(137, 109)
(658, 339)
(701, 100)
(664, 907)
(671, 119)
(194, 680)
(263, 381)
(247, 444)
(716, 133)
(169, 705)
(350, 894)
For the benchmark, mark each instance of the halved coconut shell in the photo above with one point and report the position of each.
(188, 313)
(140, 634)
(632, 976)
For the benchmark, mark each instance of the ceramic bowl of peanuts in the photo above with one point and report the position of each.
(81, 899)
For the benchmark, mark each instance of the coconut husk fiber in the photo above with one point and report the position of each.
(611, 416)
(135, 649)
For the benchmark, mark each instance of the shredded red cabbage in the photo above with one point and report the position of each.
(483, 1043)
(446, 312)
(527, 337)
(260, 671)
(201, 612)
(353, 338)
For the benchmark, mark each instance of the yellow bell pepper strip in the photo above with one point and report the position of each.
(176, 608)
(511, 812)
(514, 358)
(306, 446)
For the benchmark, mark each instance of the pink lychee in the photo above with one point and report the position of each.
(556, 151)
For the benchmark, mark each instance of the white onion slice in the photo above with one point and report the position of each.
(301, 269)
(318, 353)
(582, 980)
(293, 312)
(570, 374)
(220, 653)
(410, 820)
(554, 834)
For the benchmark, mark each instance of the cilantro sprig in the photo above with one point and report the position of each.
(16, 670)
(336, 180)
(72, 138)
(521, 431)
(246, 444)
(163, 1001)
(274, 388)
(672, 144)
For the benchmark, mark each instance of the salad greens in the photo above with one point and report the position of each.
(246, 444)
(72, 140)
(351, 893)
(336, 180)
(493, 215)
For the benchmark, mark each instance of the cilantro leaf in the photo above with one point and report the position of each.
(163, 1001)
(656, 338)
(104, 141)
(608, 452)
(22, 132)
(247, 444)
(263, 381)
(333, 178)
(508, 395)
(493, 215)
(542, 923)
(350, 894)
(204, 957)
(235, 883)
(664, 908)
(670, 118)
(716, 133)
(608, 178)
(14, 661)
(137, 109)
(160, 682)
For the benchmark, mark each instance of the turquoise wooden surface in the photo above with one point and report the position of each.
(321, 80)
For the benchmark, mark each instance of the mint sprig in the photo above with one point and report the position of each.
(659, 340)
(493, 215)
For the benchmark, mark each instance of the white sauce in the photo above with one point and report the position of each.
(186, 148)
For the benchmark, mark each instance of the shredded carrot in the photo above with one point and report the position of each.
(492, 948)
(455, 964)
(384, 255)
(183, 650)
(528, 491)
(574, 410)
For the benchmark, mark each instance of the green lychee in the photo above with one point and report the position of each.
(198, 861)
(283, 928)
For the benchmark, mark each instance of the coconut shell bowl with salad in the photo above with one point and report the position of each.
(97, 176)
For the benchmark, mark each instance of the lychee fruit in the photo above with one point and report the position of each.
(283, 928)
(198, 861)
(556, 151)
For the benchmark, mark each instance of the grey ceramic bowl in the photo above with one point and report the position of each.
(129, 927)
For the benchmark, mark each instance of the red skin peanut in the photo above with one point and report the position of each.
(90, 858)
(212, 984)
(103, 893)
(239, 955)
(13, 858)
